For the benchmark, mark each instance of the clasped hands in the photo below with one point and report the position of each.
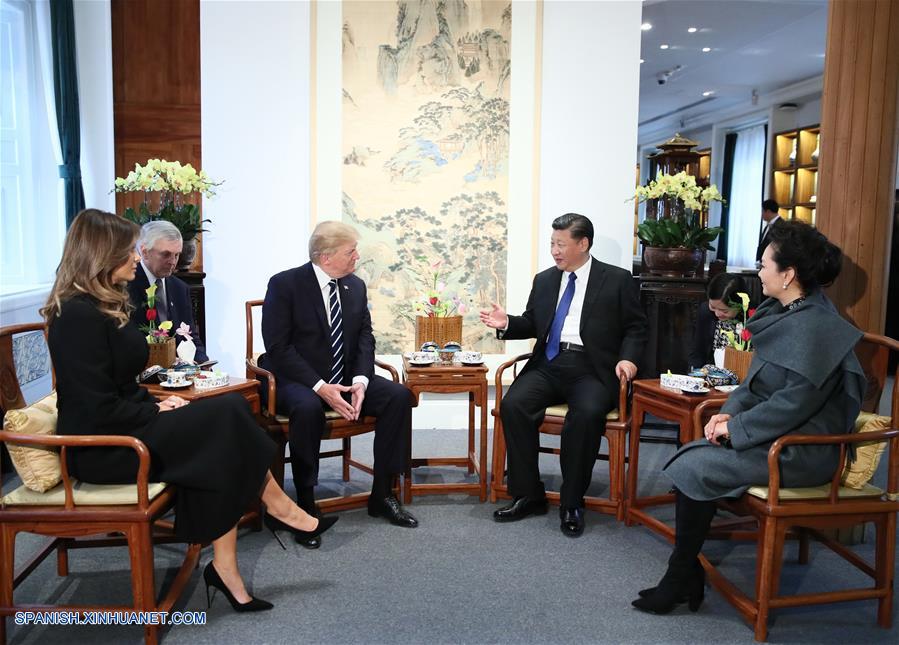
(332, 394)
(171, 403)
(716, 429)
(497, 318)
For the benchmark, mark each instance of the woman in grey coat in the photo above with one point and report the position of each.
(804, 379)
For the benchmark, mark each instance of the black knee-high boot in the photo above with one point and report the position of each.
(684, 581)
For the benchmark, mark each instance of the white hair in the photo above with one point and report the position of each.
(152, 232)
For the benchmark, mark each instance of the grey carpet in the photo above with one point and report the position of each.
(460, 578)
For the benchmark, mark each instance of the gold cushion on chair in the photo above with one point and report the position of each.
(330, 415)
(84, 494)
(37, 466)
(816, 492)
(562, 410)
(867, 454)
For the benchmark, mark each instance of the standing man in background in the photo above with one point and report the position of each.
(159, 246)
(770, 216)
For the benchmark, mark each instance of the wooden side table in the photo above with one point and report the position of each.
(673, 405)
(450, 379)
(248, 388)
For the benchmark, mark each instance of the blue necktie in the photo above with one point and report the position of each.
(336, 335)
(555, 332)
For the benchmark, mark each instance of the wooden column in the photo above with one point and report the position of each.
(156, 86)
(857, 167)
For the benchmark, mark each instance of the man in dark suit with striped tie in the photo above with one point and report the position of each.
(319, 345)
(590, 331)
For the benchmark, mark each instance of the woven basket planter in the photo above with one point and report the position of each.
(439, 330)
(162, 354)
(737, 362)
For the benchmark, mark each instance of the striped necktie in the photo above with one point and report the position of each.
(162, 304)
(336, 335)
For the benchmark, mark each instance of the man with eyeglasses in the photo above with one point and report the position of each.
(159, 246)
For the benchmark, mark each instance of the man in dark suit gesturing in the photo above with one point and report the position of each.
(590, 331)
(160, 246)
(319, 345)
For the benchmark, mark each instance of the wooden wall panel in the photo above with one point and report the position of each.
(857, 167)
(156, 85)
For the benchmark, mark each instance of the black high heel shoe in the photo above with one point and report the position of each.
(274, 524)
(212, 578)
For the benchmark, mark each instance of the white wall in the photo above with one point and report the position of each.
(93, 35)
(591, 60)
(255, 130)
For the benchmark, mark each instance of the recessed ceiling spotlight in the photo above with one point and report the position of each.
(706, 50)
(708, 92)
(646, 26)
(663, 46)
(642, 61)
(692, 30)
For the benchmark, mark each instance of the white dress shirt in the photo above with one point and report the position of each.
(571, 328)
(323, 284)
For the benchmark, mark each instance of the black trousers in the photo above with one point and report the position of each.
(389, 402)
(567, 378)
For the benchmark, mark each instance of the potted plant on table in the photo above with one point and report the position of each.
(738, 354)
(167, 187)
(675, 242)
(438, 313)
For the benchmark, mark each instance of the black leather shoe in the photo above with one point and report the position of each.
(520, 508)
(390, 508)
(572, 521)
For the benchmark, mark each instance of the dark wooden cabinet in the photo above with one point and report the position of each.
(671, 306)
(194, 280)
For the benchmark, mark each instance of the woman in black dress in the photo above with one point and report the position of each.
(212, 449)
(716, 317)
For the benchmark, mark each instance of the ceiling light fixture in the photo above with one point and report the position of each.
(692, 30)
(642, 61)
(663, 46)
(645, 26)
(708, 92)
(706, 50)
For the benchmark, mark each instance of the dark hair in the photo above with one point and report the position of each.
(579, 226)
(797, 245)
(770, 205)
(725, 287)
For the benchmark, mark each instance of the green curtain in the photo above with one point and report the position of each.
(65, 87)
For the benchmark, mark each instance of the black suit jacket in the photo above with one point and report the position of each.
(297, 334)
(613, 325)
(180, 310)
(764, 239)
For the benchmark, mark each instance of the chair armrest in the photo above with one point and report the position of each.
(388, 368)
(87, 441)
(624, 391)
(499, 378)
(843, 440)
(260, 374)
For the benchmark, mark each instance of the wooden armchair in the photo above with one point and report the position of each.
(74, 517)
(336, 426)
(617, 425)
(806, 512)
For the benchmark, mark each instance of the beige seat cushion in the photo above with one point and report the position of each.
(816, 492)
(859, 472)
(562, 410)
(38, 467)
(85, 495)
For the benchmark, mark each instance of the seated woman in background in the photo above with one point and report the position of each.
(804, 379)
(716, 317)
(211, 449)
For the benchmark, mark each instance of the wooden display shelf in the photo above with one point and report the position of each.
(795, 181)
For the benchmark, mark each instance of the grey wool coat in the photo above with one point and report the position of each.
(804, 379)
